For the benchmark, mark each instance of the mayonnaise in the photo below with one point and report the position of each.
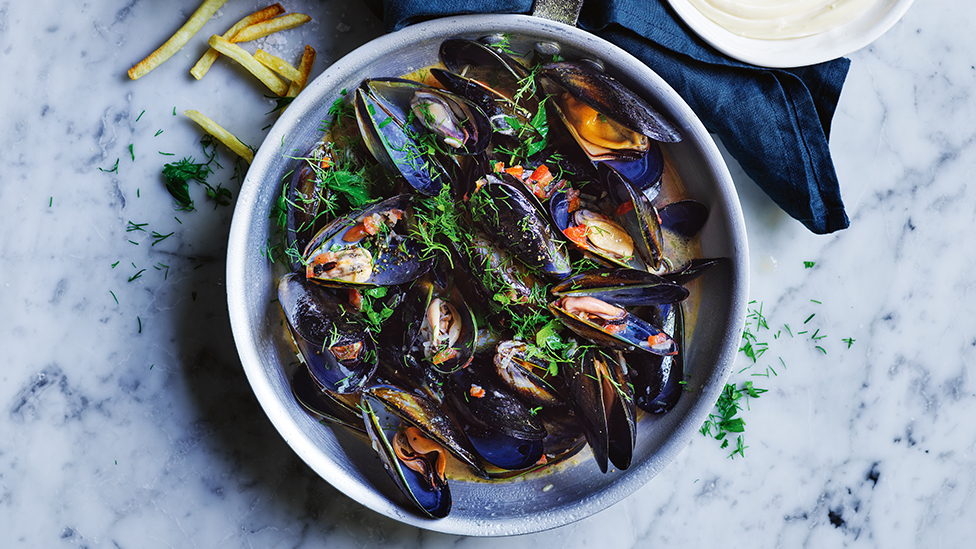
(781, 19)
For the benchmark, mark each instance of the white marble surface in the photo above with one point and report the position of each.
(130, 424)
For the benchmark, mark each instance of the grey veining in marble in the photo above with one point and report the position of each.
(126, 421)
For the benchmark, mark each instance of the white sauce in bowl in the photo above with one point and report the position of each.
(781, 19)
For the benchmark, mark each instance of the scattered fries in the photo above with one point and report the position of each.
(178, 40)
(228, 139)
(238, 54)
(304, 69)
(271, 26)
(205, 62)
(278, 65)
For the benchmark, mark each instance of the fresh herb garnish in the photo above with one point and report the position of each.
(178, 175)
(114, 168)
(375, 312)
(438, 222)
(157, 237)
(725, 419)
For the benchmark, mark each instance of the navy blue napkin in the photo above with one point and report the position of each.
(774, 122)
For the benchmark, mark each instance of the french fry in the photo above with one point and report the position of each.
(205, 62)
(238, 54)
(228, 139)
(178, 40)
(277, 64)
(305, 69)
(271, 26)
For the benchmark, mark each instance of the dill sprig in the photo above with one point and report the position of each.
(725, 419)
(438, 222)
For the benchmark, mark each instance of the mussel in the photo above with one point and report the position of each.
(607, 119)
(510, 217)
(497, 277)
(364, 248)
(526, 373)
(499, 425)
(604, 403)
(622, 287)
(409, 128)
(656, 379)
(611, 326)
(414, 461)
(334, 408)
(589, 229)
(337, 349)
(439, 328)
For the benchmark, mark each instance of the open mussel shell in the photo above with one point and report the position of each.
(363, 248)
(656, 380)
(430, 418)
(338, 351)
(525, 374)
(593, 231)
(604, 404)
(304, 196)
(637, 214)
(457, 123)
(499, 425)
(684, 218)
(565, 436)
(496, 106)
(331, 407)
(428, 491)
(393, 142)
(623, 287)
(609, 98)
(440, 329)
(491, 67)
(611, 327)
(510, 217)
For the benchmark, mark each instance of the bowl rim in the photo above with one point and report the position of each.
(241, 304)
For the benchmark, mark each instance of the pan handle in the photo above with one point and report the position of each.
(562, 11)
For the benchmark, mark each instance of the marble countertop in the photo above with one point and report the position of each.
(127, 421)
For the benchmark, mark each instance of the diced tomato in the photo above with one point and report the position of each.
(625, 207)
(499, 167)
(577, 234)
(372, 224)
(535, 189)
(355, 298)
(542, 175)
(515, 171)
(355, 233)
(657, 340)
(476, 391)
(444, 355)
(542, 460)
(346, 352)
(613, 328)
(572, 197)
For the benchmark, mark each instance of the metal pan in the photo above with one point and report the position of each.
(483, 509)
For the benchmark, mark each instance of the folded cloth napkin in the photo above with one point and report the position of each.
(775, 122)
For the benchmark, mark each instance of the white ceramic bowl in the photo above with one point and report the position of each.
(479, 508)
(796, 52)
